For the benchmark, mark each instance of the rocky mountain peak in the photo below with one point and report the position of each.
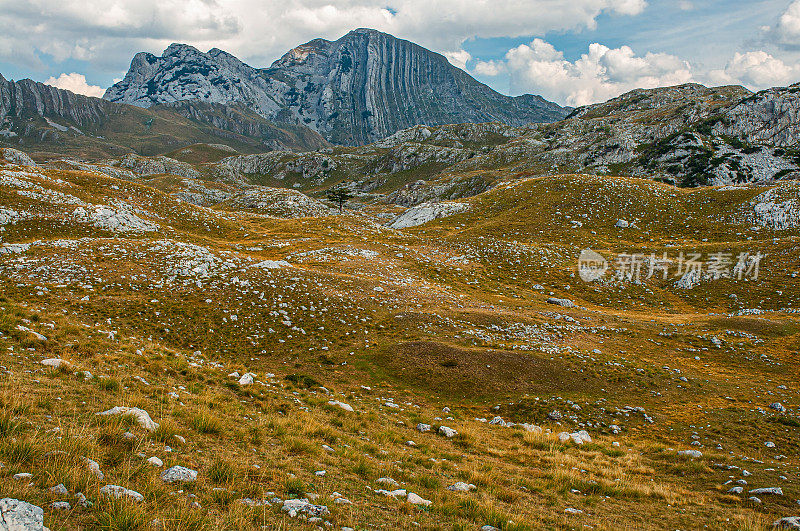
(357, 89)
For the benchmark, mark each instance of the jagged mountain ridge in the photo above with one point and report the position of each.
(355, 90)
(39, 117)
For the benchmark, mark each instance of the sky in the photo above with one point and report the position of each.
(573, 52)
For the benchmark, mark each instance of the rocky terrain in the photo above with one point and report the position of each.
(183, 351)
(355, 90)
(591, 323)
(51, 121)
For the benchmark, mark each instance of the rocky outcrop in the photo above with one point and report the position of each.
(421, 214)
(355, 90)
(770, 117)
(146, 166)
(278, 202)
(24, 98)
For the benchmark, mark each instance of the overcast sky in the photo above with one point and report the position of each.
(573, 52)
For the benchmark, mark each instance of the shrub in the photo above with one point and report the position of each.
(221, 472)
(206, 423)
(113, 514)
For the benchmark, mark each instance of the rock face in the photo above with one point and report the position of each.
(17, 515)
(26, 97)
(35, 113)
(426, 212)
(355, 90)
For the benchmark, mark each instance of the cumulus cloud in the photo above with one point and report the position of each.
(107, 33)
(598, 75)
(459, 58)
(786, 31)
(755, 70)
(76, 83)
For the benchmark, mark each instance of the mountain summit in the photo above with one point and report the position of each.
(355, 90)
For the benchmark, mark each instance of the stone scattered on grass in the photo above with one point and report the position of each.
(179, 474)
(416, 499)
(121, 492)
(141, 416)
(18, 515)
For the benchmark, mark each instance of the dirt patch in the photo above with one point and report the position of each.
(456, 372)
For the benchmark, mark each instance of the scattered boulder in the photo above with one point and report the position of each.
(447, 432)
(55, 363)
(566, 303)
(15, 156)
(416, 499)
(461, 487)
(156, 462)
(59, 489)
(691, 453)
(776, 491)
(94, 468)
(247, 378)
(336, 403)
(141, 416)
(579, 437)
(303, 506)
(121, 492)
(789, 522)
(179, 474)
(777, 406)
(18, 515)
(422, 428)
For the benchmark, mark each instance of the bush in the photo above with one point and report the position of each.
(113, 514)
(301, 380)
(18, 451)
(221, 472)
(8, 426)
(206, 423)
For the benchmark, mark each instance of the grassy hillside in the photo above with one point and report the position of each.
(446, 324)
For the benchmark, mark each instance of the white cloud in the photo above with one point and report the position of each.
(787, 30)
(490, 68)
(76, 83)
(755, 70)
(598, 75)
(459, 58)
(108, 32)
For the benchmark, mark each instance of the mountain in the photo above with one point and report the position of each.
(355, 90)
(42, 118)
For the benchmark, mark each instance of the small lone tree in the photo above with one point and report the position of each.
(339, 196)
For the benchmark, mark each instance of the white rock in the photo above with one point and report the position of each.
(415, 499)
(179, 474)
(346, 407)
(17, 515)
(247, 379)
(461, 487)
(788, 522)
(59, 489)
(776, 491)
(447, 432)
(303, 506)
(94, 468)
(121, 492)
(141, 416)
(156, 462)
(691, 453)
(425, 212)
(55, 363)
